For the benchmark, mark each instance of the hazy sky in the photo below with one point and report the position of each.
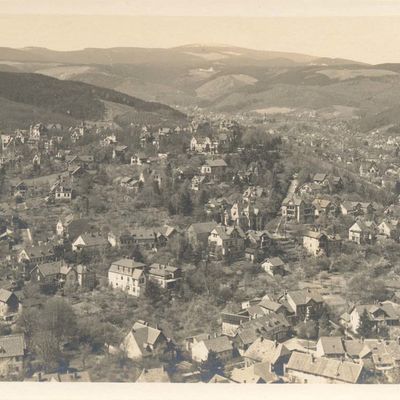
(205, 7)
(332, 28)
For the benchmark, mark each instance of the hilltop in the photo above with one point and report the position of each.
(28, 94)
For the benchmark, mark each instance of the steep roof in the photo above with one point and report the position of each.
(5, 295)
(264, 350)
(274, 261)
(203, 227)
(218, 344)
(332, 345)
(145, 334)
(343, 371)
(91, 240)
(301, 297)
(216, 163)
(12, 346)
(256, 373)
(53, 268)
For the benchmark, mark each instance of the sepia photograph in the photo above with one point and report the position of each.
(199, 192)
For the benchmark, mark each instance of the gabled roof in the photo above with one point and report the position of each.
(319, 177)
(332, 345)
(216, 163)
(53, 268)
(274, 261)
(12, 346)
(145, 335)
(301, 297)
(39, 251)
(256, 373)
(5, 295)
(264, 350)
(203, 227)
(343, 371)
(90, 240)
(218, 345)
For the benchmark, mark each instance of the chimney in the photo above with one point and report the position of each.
(39, 376)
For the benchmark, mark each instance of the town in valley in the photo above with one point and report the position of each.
(247, 232)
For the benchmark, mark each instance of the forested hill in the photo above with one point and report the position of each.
(76, 100)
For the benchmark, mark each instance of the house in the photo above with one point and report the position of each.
(318, 243)
(203, 144)
(256, 373)
(390, 229)
(57, 272)
(385, 354)
(199, 232)
(139, 159)
(165, 276)
(353, 208)
(154, 375)
(192, 340)
(127, 275)
(320, 179)
(306, 368)
(337, 183)
(247, 216)
(221, 346)
(231, 322)
(20, 189)
(369, 169)
(119, 153)
(273, 266)
(143, 341)
(259, 239)
(12, 353)
(268, 325)
(225, 241)
(214, 168)
(252, 193)
(86, 277)
(90, 242)
(198, 182)
(168, 232)
(310, 188)
(330, 346)
(61, 190)
(356, 350)
(147, 238)
(71, 228)
(381, 314)
(37, 254)
(325, 207)
(9, 305)
(303, 304)
(264, 350)
(298, 210)
(363, 232)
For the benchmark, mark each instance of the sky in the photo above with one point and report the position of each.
(363, 30)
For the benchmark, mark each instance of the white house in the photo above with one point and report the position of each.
(127, 275)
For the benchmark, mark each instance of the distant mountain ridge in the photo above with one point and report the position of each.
(224, 78)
